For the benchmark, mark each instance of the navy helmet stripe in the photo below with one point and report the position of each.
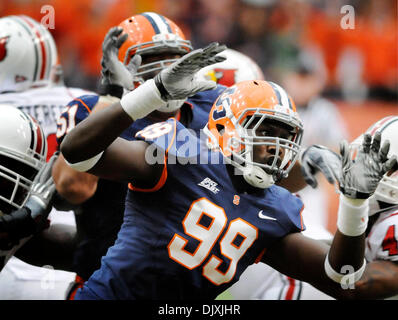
(166, 23)
(387, 124)
(290, 103)
(276, 92)
(153, 23)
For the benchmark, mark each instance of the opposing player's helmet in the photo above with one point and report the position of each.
(234, 119)
(23, 151)
(151, 34)
(28, 55)
(387, 189)
(236, 68)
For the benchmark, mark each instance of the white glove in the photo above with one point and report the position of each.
(113, 71)
(317, 158)
(360, 177)
(175, 82)
(178, 81)
(42, 191)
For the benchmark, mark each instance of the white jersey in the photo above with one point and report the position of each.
(19, 280)
(382, 241)
(45, 105)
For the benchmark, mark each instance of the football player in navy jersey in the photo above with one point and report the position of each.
(191, 229)
(149, 43)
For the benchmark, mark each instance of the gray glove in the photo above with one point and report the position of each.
(361, 176)
(177, 81)
(113, 70)
(317, 158)
(42, 191)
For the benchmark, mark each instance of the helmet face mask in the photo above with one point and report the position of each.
(159, 41)
(15, 181)
(152, 35)
(235, 121)
(153, 64)
(23, 151)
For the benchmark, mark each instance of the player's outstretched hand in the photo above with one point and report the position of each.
(317, 158)
(113, 71)
(178, 80)
(361, 175)
(41, 194)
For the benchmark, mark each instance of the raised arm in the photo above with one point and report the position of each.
(327, 269)
(84, 146)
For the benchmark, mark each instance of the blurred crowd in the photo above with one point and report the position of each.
(353, 54)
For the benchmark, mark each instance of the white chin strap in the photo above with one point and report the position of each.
(171, 106)
(257, 177)
(373, 205)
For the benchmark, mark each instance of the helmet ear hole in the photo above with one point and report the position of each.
(220, 128)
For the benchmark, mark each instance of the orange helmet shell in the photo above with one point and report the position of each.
(243, 100)
(150, 33)
(239, 105)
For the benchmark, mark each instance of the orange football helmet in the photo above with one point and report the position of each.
(234, 119)
(151, 34)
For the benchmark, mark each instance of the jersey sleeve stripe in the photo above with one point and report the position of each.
(260, 256)
(158, 185)
(84, 104)
(290, 290)
(391, 215)
(163, 177)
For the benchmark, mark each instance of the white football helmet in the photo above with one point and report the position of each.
(387, 190)
(236, 68)
(28, 54)
(23, 151)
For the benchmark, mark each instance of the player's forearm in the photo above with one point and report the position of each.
(95, 133)
(345, 261)
(347, 253)
(73, 186)
(379, 281)
(84, 144)
(295, 181)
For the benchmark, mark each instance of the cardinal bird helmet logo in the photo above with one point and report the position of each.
(3, 49)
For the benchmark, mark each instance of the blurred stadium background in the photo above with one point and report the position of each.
(297, 43)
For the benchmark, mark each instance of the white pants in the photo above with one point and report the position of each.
(22, 281)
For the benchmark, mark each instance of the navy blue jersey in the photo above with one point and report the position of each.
(99, 219)
(192, 235)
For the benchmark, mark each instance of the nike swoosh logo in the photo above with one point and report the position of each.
(262, 216)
